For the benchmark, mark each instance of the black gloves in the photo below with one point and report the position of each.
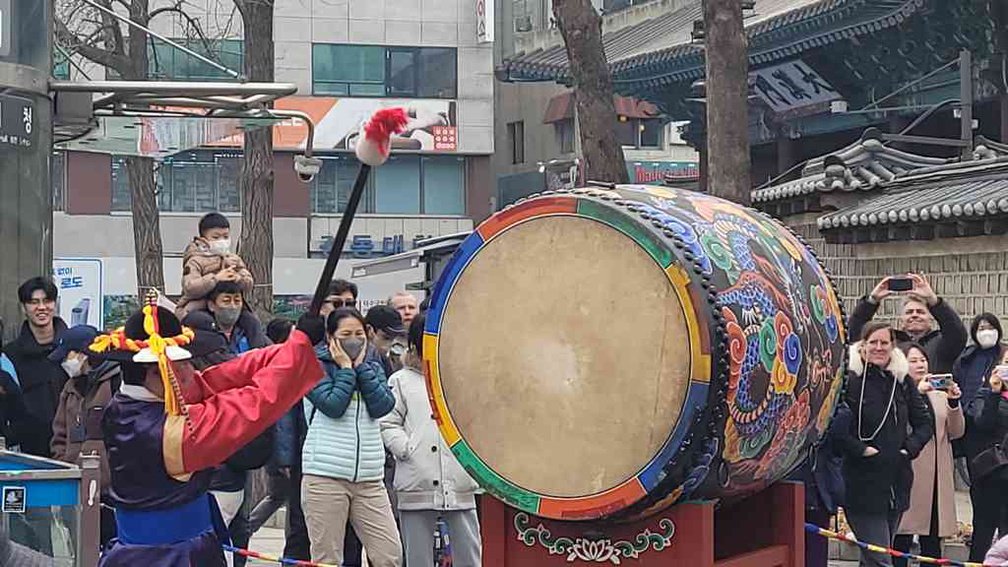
(313, 326)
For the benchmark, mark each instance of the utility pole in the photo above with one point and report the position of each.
(727, 93)
(966, 103)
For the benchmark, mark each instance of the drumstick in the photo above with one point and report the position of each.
(372, 151)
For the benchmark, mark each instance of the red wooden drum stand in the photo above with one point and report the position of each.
(764, 530)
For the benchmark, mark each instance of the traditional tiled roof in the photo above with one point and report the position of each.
(864, 165)
(967, 191)
(660, 48)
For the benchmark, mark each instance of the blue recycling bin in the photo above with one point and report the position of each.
(50, 511)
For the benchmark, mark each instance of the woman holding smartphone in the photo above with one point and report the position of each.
(932, 512)
(989, 466)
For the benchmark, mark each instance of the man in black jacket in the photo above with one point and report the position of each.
(41, 379)
(920, 309)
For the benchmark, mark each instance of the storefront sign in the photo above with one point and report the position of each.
(17, 121)
(365, 246)
(81, 291)
(791, 86)
(485, 21)
(659, 172)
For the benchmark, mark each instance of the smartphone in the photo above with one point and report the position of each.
(940, 381)
(1002, 371)
(900, 284)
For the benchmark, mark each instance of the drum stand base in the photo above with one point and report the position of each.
(765, 530)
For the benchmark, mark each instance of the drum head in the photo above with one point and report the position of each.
(565, 356)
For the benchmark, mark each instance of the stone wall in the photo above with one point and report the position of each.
(971, 274)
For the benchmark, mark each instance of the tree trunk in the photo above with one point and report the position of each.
(147, 246)
(146, 225)
(727, 102)
(256, 243)
(581, 28)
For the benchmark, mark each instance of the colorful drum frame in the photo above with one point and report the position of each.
(724, 444)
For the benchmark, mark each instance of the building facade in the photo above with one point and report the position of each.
(347, 60)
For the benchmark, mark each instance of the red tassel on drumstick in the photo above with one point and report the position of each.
(372, 150)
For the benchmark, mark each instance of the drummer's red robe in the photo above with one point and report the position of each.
(230, 404)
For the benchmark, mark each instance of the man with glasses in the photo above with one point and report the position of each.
(342, 293)
(386, 333)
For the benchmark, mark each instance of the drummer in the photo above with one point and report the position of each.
(169, 426)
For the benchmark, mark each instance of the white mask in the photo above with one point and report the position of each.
(222, 246)
(72, 366)
(987, 338)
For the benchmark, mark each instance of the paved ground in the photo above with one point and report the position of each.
(271, 541)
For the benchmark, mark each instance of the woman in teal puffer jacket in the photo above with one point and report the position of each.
(343, 459)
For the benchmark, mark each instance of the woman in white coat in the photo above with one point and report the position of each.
(429, 482)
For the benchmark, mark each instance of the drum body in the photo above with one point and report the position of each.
(610, 352)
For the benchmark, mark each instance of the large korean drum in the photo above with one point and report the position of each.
(609, 352)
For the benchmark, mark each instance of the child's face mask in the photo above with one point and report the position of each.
(222, 246)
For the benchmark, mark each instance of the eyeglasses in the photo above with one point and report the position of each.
(338, 302)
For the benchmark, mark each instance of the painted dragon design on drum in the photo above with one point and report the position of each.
(783, 324)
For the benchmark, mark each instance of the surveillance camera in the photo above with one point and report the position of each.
(307, 167)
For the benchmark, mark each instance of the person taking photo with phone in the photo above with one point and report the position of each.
(932, 512)
(920, 309)
(890, 424)
(989, 465)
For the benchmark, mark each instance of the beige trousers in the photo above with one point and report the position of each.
(329, 502)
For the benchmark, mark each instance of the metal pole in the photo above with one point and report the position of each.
(966, 103)
(130, 22)
(341, 235)
(89, 528)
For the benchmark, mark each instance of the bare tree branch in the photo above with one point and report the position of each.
(100, 56)
(193, 24)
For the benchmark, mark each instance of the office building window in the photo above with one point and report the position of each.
(516, 140)
(565, 135)
(640, 132)
(168, 62)
(406, 184)
(332, 186)
(190, 182)
(378, 71)
(57, 176)
(443, 185)
(397, 185)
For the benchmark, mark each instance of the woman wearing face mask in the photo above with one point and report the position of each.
(77, 426)
(975, 363)
(343, 457)
(890, 424)
(932, 513)
(989, 463)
